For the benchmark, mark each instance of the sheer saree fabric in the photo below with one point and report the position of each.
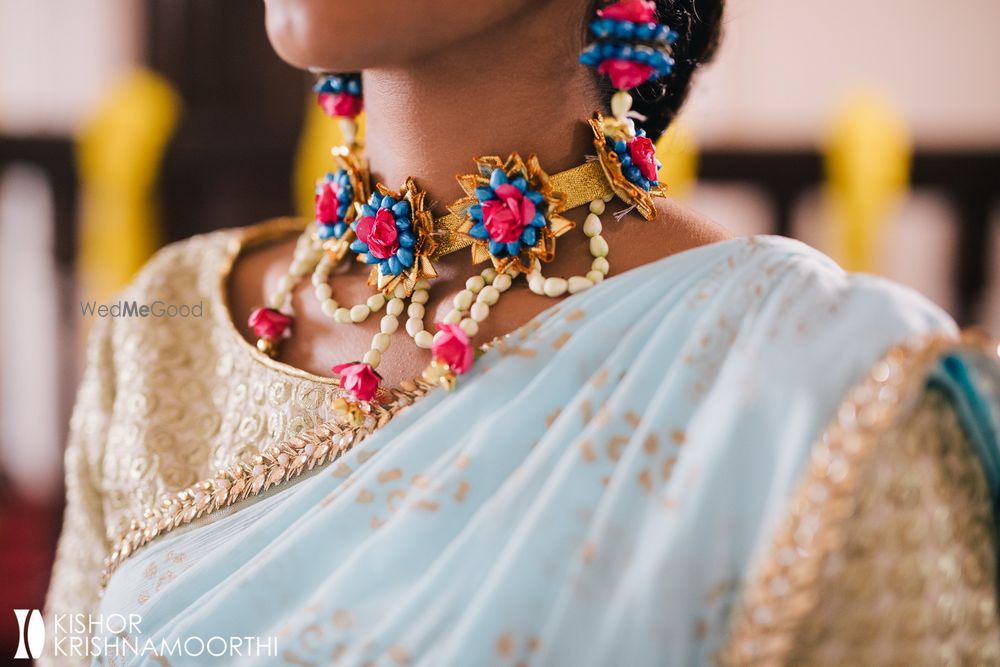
(633, 478)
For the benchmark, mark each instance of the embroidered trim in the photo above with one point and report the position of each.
(782, 593)
(279, 464)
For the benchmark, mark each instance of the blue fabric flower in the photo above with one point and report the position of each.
(339, 83)
(385, 234)
(629, 170)
(508, 216)
(642, 40)
(334, 197)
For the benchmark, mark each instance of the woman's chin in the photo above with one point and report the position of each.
(300, 33)
(347, 36)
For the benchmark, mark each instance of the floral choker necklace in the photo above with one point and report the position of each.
(510, 216)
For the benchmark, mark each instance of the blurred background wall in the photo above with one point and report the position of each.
(868, 129)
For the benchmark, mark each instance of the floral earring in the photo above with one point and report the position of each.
(339, 95)
(630, 47)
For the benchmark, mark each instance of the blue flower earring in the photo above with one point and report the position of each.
(630, 46)
(339, 94)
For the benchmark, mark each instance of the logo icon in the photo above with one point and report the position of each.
(35, 635)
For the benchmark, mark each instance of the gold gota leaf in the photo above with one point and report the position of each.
(449, 236)
(479, 253)
(357, 171)
(337, 248)
(626, 190)
(272, 467)
(538, 180)
(487, 164)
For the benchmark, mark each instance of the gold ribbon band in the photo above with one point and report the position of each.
(582, 184)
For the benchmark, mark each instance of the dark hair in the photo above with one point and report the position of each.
(698, 24)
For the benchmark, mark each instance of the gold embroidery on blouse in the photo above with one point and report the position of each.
(923, 527)
(272, 467)
(199, 398)
(776, 623)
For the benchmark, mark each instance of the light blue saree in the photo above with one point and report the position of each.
(597, 491)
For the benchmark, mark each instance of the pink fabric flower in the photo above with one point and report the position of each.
(340, 104)
(637, 11)
(379, 233)
(269, 324)
(453, 347)
(326, 203)
(643, 154)
(625, 74)
(506, 217)
(359, 379)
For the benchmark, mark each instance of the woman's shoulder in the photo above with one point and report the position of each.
(182, 266)
(768, 269)
(919, 486)
(789, 280)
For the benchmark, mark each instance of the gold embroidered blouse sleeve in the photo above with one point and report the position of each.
(914, 582)
(895, 564)
(83, 544)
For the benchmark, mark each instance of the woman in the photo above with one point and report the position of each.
(728, 451)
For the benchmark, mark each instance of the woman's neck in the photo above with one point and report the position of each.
(485, 95)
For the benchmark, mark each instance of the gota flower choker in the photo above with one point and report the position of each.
(510, 216)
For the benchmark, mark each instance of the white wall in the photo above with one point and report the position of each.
(57, 57)
(30, 424)
(785, 65)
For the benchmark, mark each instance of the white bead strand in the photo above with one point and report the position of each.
(306, 257)
(487, 288)
(415, 313)
(357, 313)
(556, 287)
(387, 326)
(321, 286)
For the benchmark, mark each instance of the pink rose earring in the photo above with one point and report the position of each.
(631, 48)
(339, 95)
